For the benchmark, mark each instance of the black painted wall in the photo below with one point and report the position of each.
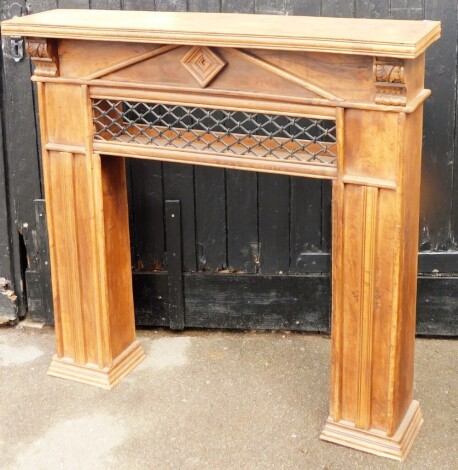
(270, 232)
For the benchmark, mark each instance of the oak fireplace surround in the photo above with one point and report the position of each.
(339, 99)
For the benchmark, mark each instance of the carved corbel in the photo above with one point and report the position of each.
(389, 77)
(43, 53)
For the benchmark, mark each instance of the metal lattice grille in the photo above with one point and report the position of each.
(216, 131)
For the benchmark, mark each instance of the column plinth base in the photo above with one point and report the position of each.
(375, 441)
(90, 374)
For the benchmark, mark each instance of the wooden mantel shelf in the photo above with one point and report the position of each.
(338, 99)
(393, 38)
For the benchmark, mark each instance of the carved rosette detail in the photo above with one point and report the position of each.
(203, 64)
(389, 77)
(43, 53)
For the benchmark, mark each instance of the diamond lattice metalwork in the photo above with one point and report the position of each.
(216, 131)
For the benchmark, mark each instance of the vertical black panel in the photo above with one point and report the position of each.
(242, 220)
(142, 5)
(74, 4)
(273, 200)
(171, 5)
(130, 200)
(179, 185)
(210, 195)
(5, 263)
(237, 6)
(22, 163)
(305, 220)
(440, 119)
(147, 204)
(39, 293)
(36, 6)
(151, 298)
(303, 7)
(407, 9)
(326, 215)
(7, 307)
(174, 264)
(455, 172)
(337, 8)
(106, 4)
(270, 7)
(204, 5)
(436, 306)
(44, 262)
(372, 8)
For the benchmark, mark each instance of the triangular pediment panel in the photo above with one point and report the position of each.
(320, 69)
(93, 61)
(223, 69)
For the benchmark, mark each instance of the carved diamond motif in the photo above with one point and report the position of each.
(203, 64)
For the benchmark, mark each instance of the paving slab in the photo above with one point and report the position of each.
(205, 400)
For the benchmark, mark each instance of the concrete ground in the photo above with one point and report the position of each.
(204, 400)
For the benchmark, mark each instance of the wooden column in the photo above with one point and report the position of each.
(86, 202)
(374, 278)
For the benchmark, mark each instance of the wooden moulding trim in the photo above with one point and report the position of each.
(100, 88)
(104, 314)
(103, 89)
(73, 281)
(106, 88)
(402, 52)
(417, 100)
(338, 205)
(312, 170)
(279, 41)
(369, 243)
(240, 101)
(398, 254)
(65, 148)
(91, 374)
(97, 233)
(340, 139)
(366, 181)
(375, 441)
